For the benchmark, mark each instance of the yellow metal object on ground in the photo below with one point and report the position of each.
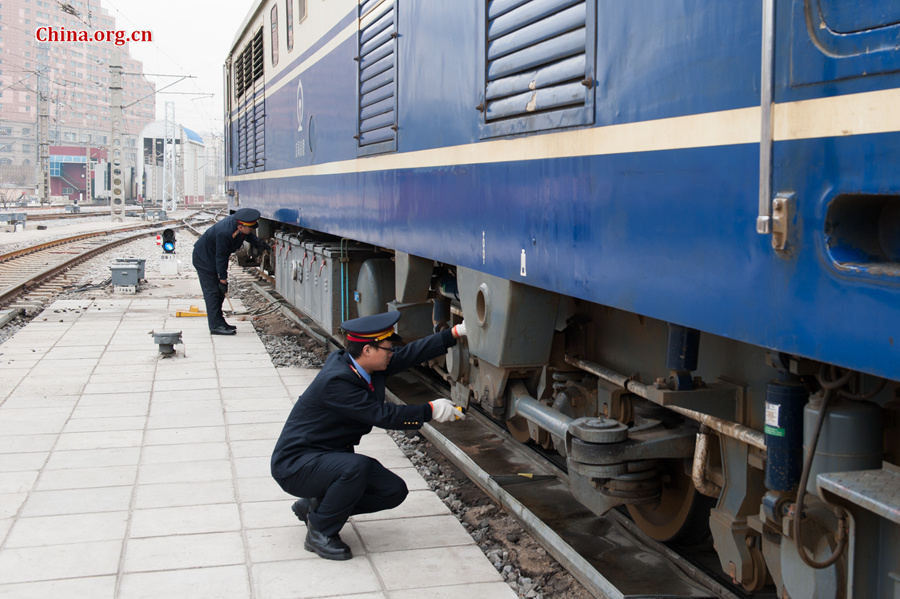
(192, 311)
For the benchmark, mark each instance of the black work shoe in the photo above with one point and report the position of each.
(230, 326)
(326, 547)
(220, 330)
(303, 506)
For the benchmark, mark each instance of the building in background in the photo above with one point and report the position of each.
(213, 167)
(185, 155)
(78, 84)
(69, 169)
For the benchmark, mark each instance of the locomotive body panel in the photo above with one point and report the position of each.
(637, 203)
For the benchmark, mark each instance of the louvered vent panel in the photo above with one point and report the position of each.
(536, 57)
(259, 141)
(242, 142)
(377, 116)
(249, 85)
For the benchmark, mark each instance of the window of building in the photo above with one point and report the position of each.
(27, 148)
(537, 70)
(274, 40)
(26, 130)
(5, 130)
(6, 148)
(289, 23)
(67, 190)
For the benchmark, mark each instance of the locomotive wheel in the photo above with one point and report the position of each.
(681, 514)
(518, 428)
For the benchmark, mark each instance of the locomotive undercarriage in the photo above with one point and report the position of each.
(648, 415)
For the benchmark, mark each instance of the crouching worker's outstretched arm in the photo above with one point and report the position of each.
(443, 410)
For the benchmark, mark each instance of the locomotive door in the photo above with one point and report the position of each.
(820, 50)
(838, 40)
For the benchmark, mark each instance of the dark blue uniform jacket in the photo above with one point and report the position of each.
(215, 246)
(338, 408)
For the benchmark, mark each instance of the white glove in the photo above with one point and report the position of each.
(460, 330)
(443, 410)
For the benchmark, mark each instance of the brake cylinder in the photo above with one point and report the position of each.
(784, 434)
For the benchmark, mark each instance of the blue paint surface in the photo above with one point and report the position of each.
(668, 234)
(828, 62)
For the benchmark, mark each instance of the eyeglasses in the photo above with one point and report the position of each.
(389, 348)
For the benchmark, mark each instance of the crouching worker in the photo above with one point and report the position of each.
(314, 457)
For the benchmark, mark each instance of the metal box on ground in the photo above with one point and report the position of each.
(15, 219)
(124, 275)
(141, 264)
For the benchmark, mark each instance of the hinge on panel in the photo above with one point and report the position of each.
(782, 211)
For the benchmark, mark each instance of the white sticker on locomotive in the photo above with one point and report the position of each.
(772, 414)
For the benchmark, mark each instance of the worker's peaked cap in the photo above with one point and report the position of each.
(247, 217)
(371, 329)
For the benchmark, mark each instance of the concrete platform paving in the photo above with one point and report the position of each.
(124, 474)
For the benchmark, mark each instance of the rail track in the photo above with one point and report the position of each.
(39, 270)
(37, 214)
(609, 555)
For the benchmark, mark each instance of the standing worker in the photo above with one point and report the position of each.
(314, 457)
(211, 254)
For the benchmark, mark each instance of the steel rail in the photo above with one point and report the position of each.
(64, 216)
(576, 563)
(14, 290)
(73, 238)
(564, 553)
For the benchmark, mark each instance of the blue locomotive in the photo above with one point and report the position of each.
(673, 228)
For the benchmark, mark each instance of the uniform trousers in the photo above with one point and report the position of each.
(209, 283)
(346, 484)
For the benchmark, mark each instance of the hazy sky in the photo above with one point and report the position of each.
(190, 37)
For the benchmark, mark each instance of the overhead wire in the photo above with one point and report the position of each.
(212, 125)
